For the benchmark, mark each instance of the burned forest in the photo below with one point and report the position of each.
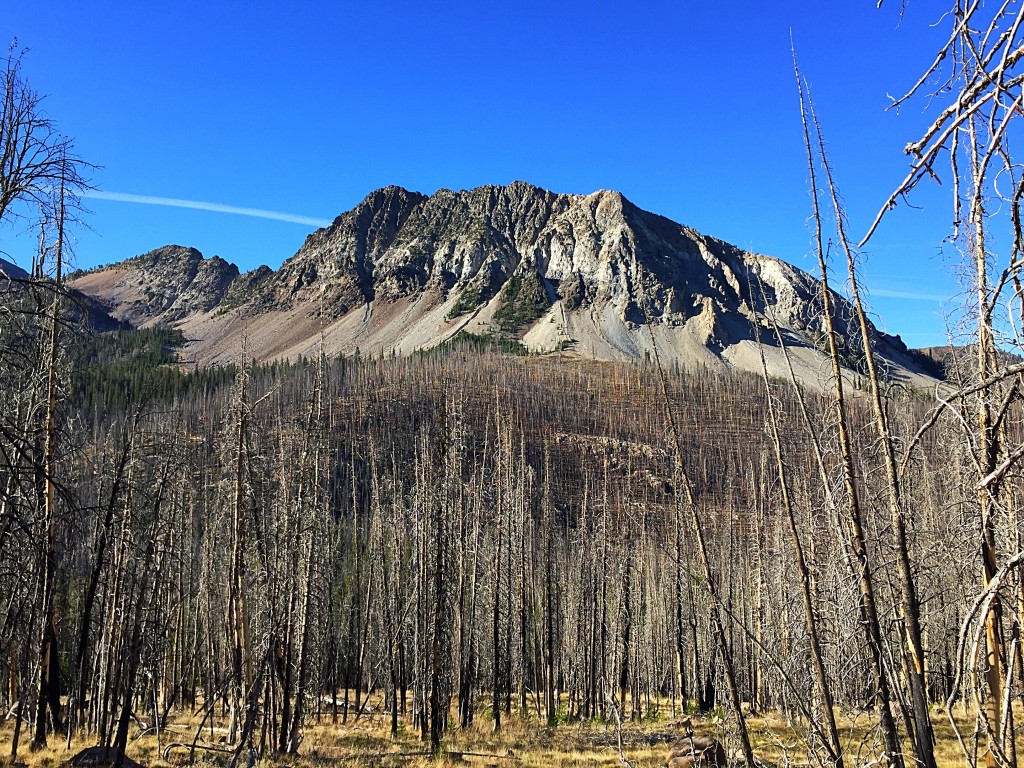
(461, 532)
(592, 476)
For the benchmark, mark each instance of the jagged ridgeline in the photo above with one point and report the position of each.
(591, 275)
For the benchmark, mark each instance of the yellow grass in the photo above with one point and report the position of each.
(523, 741)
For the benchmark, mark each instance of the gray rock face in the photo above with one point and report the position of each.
(397, 243)
(593, 249)
(179, 282)
(590, 250)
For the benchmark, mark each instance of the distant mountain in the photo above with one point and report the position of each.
(958, 362)
(85, 309)
(590, 275)
(11, 270)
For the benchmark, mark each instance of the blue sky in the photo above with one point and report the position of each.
(303, 108)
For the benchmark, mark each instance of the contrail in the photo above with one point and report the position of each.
(910, 295)
(199, 205)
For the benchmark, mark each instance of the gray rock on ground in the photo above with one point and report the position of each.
(100, 757)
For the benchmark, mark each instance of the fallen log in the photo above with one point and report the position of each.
(193, 747)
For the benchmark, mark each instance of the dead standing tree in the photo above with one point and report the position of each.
(40, 177)
(47, 691)
(826, 711)
(854, 521)
(697, 529)
(35, 159)
(922, 737)
(980, 70)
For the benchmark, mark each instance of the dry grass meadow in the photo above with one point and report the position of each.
(523, 741)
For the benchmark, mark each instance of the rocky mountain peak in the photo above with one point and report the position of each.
(165, 285)
(402, 270)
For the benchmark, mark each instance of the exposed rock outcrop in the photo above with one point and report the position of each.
(696, 752)
(101, 757)
(163, 286)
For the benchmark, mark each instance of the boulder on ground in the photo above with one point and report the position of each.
(100, 757)
(696, 752)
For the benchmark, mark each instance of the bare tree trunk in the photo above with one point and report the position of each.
(237, 611)
(834, 746)
(47, 690)
(314, 426)
(924, 739)
(988, 457)
(550, 702)
(134, 639)
(697, 529)
(856, 536)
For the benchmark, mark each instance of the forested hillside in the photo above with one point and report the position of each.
(463, 528)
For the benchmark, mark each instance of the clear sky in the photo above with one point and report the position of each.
(302, 108)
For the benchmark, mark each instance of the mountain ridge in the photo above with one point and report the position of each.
(403, 271)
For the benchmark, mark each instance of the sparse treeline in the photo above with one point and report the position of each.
(463, 533)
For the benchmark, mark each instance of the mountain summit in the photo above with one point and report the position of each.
(592, 275)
